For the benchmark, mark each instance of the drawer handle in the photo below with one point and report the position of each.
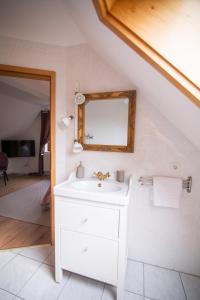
(85, 220)
(85, 249)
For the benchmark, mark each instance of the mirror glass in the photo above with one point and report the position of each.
(106, 122)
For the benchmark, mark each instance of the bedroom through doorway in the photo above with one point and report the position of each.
(26, 168)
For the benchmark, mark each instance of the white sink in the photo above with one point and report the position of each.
(95, 186)
(109, 191)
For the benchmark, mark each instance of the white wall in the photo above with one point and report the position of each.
(165, 237)
(15, 116)
(155, 88)
(46, 21)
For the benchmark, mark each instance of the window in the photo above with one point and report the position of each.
(47, 147)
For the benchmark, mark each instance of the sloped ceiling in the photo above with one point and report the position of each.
(70, 22)
(150, 85)
(26, 90)
(21, 100)
(45, 21)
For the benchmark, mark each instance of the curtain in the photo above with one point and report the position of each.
(44, 138)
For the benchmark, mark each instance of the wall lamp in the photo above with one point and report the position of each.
(67, 120)
(79, 99)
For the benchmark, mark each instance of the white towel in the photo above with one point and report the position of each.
(167, 191)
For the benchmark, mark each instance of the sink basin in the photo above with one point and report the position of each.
(95, 186)
(108, 191)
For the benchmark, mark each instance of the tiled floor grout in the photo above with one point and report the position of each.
(29, 279)
(37, 260)
(131, 259)
(45, 263)
(140, 295)
(143, 281)
(67, 282)
(183, 286)
(133, 292)
(20, 297)
(8, 292)
(8, 261)
(50, 253)
(157, 266)
(149, 298)
(103, 291)
(193, 275)
(41, 263)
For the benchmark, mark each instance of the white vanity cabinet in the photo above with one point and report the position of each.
(90, 239)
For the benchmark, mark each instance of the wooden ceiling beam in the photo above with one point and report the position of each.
(106, 10)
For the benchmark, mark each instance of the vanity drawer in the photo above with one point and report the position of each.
(89, 256)
(98, 221)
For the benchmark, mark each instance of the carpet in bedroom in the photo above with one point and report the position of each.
(18, 182)
(24, 204)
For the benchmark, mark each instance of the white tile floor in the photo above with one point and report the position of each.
(29, 274)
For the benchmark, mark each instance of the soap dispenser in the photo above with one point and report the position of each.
(80, 171)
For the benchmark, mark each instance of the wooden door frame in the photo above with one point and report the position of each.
(39, 74)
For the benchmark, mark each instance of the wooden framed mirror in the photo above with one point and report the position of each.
(106, 121)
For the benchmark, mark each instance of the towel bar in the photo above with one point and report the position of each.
(187, 183)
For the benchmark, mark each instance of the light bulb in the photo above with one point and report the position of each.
(67, 120)
(77, 147)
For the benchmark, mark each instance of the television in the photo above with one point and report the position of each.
(18, 148)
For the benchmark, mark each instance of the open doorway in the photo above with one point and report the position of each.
(27, 101)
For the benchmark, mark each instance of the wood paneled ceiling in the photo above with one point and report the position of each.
(165, 33)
